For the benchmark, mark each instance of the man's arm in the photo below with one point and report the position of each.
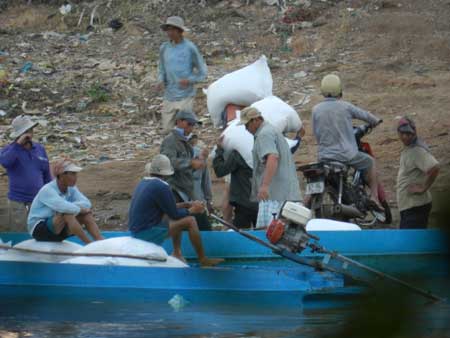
(206, 185)
(360, 114)
(421, 188)
(269, 172)
(8, 155)
(46, 174)
(161, 66)
(51, 199)
(167, 204)
(80, 200)
(425, 162)
(200, 66)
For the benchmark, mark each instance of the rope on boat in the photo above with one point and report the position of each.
(78, 254)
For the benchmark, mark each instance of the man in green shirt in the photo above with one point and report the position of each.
(418, 171)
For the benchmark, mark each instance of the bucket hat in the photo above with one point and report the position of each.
(174, 21)
(248, 114)
(20, 125)
(160, 165)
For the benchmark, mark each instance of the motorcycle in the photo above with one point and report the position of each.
(340, 192)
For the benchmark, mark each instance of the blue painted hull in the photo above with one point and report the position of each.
(239, 284)
(401, 252)
(251, 274)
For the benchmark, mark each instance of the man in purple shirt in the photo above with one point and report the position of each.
(27, 166)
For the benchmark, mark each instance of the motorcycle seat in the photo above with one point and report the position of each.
(336, 166)
(312, 169)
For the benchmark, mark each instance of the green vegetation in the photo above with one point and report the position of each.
(98, 93)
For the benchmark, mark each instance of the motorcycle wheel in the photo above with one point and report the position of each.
(376, 217)
(387, 212)
(320, 202)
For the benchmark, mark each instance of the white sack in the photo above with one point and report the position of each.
(64, 246)
(322, 224)
(236, 137)
(171, 262)
(241, 87)
(125, 246)
(281, 115)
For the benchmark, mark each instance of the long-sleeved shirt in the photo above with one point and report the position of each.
(28, 170)
(152, 199)
(50, 200)
(332, 126)
(241, 176)
(202, 181)
(180, 61)
(177, 148)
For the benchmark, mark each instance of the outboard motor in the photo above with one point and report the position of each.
(289, 231)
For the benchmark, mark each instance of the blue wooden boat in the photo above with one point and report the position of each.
(252, 273)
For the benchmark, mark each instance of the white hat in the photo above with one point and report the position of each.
(160, 165)
(174, 21)
(248, 114)
(20, 125)
(71, 167)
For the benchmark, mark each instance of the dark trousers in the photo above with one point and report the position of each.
(415, 218)
(244, 217)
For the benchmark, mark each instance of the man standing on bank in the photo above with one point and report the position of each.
(274, 176)
(27, 166)
(181, 66)
(418, 171)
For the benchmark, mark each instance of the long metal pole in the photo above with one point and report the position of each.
(318, 265)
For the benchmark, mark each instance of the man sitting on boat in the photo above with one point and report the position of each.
(59, 209)
(154, 214)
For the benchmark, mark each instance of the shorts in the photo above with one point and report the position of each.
(156, 234)
(44, 232)
(361, 161)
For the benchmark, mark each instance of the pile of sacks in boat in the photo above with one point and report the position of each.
(249, 86)
(147, 254)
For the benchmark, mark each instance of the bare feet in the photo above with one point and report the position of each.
(205, 262)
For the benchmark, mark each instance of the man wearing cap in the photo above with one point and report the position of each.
(181, 66)
(333, 129)
(274, 176)
(418, 171)
(59, 209)
(154, 214)
(27, 166)
(177, 148)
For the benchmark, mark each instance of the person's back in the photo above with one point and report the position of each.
(150, 198)
(333, 129)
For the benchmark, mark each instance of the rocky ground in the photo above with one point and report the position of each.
(90, 86)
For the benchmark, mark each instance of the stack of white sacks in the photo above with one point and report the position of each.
(251, 85)
(150, 255)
